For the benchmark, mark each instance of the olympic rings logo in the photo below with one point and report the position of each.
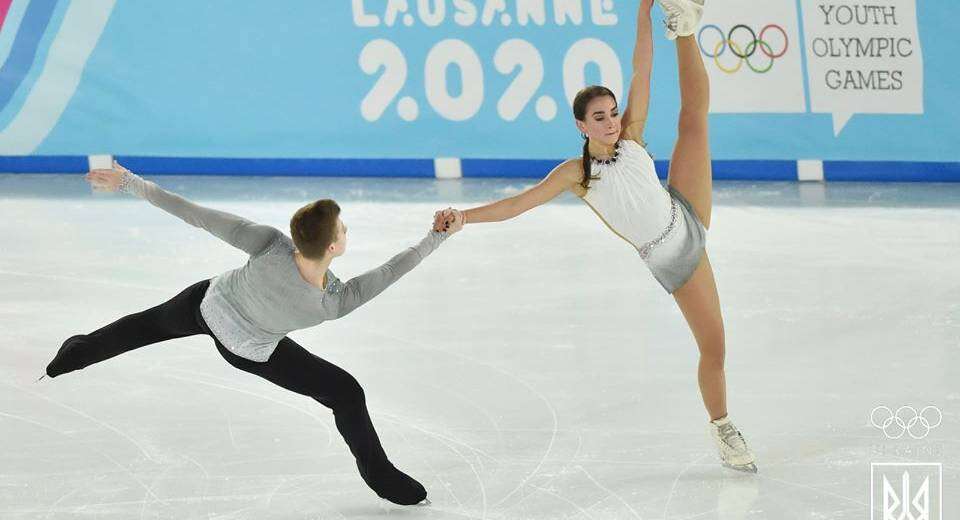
(747, 51)
(906, 420)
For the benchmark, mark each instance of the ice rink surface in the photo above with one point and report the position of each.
(526, 370)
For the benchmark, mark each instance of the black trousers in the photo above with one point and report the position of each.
(290, 366)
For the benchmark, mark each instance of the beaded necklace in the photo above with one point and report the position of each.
(609, 160)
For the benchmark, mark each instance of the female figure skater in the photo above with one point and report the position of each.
(286, 285)
(616, 178)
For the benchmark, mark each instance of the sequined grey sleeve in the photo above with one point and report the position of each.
(236, 231)
(363, 288)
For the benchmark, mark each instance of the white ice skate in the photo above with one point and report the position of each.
(683, 16)
(734, 452)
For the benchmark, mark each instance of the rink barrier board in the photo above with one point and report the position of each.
(747, 170)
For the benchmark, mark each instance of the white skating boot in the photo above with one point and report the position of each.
(683, 16)
(734, 452)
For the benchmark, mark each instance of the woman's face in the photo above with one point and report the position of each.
(602, 121)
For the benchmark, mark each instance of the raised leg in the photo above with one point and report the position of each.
(690, 170)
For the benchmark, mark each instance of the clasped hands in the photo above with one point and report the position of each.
(449, 220)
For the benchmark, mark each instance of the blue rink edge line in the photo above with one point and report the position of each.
(751, 170)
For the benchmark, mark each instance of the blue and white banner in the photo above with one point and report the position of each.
(391, 86)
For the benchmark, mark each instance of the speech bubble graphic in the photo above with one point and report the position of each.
(863, 58)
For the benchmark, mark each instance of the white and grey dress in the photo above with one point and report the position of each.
(658, 221)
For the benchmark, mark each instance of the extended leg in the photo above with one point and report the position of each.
(175, 318)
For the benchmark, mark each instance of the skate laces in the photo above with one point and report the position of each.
(672, 20)
(732, 437)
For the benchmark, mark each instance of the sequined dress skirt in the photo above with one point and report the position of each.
(676, 253)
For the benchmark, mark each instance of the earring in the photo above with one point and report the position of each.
(584, 136)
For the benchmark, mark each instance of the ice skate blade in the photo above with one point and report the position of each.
(424, 503)
(745, 468)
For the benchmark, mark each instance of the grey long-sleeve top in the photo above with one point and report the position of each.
(250, 309)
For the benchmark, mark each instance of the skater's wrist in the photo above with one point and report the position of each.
(127, 180)
(646, 7)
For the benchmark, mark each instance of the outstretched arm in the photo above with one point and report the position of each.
(563, 177)
(638, 99)
(363, 288)
(236, 231)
